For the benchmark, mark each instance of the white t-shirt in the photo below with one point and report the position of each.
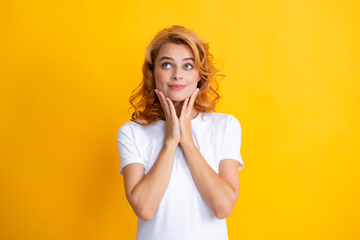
(182, 213)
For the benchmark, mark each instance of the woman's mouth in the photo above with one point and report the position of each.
(177, 86)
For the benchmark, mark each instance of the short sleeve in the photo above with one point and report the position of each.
(128, 150)
(232, 141)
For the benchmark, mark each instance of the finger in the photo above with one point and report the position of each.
(162, 103)
(172, 108)
(160, 100)
(184, 107)
(166, 104)
(192, 100)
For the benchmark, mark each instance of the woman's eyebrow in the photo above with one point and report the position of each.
(169, 58)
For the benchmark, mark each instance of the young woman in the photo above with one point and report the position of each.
(180, 159)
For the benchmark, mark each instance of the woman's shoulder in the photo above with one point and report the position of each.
(221, 120)
(137, 126)
(216, 116)
(130, 126)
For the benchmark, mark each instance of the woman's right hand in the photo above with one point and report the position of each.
(172, 129)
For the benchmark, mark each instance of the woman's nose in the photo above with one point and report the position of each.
(177, 74)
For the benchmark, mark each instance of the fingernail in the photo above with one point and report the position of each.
(156, 90)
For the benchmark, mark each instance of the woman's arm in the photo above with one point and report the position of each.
(144, 192)
(219, 191)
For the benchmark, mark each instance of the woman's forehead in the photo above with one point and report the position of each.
(175, 51)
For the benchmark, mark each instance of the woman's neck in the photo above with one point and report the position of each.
(178, 108)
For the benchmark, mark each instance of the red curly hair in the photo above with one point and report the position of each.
(146, 105)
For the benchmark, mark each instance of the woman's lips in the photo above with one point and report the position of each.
(177, 86)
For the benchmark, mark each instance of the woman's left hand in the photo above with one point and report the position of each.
(185, 119)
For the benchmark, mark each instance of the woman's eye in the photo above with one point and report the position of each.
(166, 65)
(188, 66)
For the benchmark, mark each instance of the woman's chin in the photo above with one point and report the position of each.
(177, 99)
(178, 96)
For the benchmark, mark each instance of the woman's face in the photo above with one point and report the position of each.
(175, 73)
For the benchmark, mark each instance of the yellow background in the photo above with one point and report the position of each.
(67, 69)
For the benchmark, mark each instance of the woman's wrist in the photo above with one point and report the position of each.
(187, 144)
(170, 144)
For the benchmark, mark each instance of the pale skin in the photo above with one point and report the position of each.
(144, 192)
